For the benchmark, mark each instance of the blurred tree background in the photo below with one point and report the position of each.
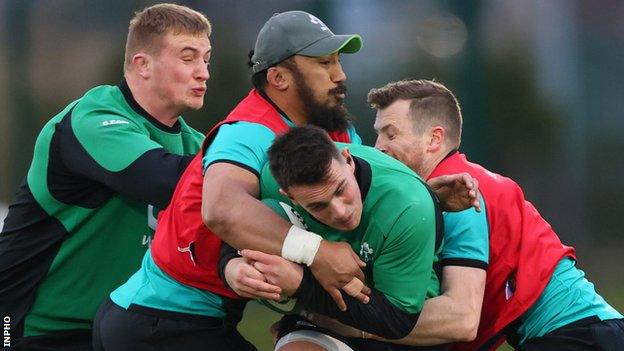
(537, 81)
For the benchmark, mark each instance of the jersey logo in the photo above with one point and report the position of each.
(366, 252)
(315, 20)
(294, 216)
(188, 249)
(114, 121)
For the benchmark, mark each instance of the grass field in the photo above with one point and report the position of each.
(258, 319)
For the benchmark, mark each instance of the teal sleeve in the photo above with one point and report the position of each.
(466, 238)
(402, 270)
(244, 144)
(354, 136)
(269, 189)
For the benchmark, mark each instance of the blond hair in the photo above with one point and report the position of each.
(150, 25)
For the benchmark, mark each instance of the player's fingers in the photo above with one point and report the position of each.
(244, 290)
(261, 290)
(261, 286)
(362, 298)
(359, 274)
(353, 287)
(252, 272)
(337, 297)
(245, 294)
(475, 184)
(436, 182)
(476, 203)
(366, 290)
(468, 180)
(359, 261)
(256, 255)
(251, 294)
(261, 267)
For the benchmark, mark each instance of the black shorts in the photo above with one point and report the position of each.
(291, 323)
(141, 328)
(584, 335)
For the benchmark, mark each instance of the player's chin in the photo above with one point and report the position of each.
(195, 103)
(349, 224)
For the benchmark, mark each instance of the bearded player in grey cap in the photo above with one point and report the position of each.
(298, 79)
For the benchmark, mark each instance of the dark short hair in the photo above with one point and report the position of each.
(302, 156)
(259, 79)
(430, 102)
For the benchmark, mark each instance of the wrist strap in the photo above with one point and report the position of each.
(300, 245)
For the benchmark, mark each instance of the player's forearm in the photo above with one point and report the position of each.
(155, 190)
(245, 223)
(439, 323)
(379, 316)
(132, 182)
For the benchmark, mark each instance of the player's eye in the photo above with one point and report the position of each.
(316, 208)
(340, 190)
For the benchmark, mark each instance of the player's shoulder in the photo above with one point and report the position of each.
(244, 130)
(194, 134)
(243, 135)
(103, 109)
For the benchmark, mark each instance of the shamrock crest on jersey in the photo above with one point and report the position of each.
(366, 253)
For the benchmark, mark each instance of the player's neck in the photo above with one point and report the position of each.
(290, 105)
(151, 103)
(431, 162)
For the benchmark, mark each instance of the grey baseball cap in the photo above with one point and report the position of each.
(298, 32)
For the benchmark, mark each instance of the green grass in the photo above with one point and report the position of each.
(256, 323)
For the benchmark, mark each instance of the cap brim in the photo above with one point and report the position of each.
(347, 44)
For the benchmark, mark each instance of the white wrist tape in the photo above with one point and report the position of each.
(300, 245)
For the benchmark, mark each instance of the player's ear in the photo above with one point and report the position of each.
(277, 77)
(141, 63)
(436, 138)
(346, 154)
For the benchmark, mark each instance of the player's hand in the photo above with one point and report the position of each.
(333, 325)
(276, 270)
(248, 282)
(456, 192)
(337, 267)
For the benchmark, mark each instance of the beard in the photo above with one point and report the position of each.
(330, 118)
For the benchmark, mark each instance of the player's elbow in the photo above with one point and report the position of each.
(468, 327)
(216, 217)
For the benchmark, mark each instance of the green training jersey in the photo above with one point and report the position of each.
(400, 229)
(81, 221)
